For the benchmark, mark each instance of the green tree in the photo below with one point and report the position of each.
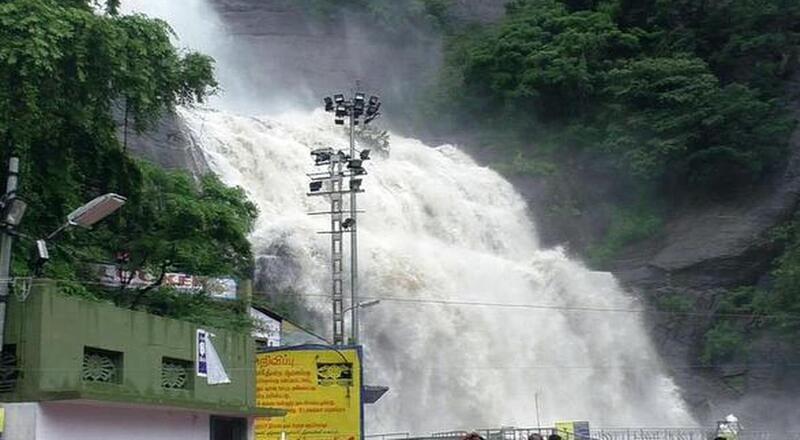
(543, 61)
(754, 42)
(615, 79)
(670, 115)
(64, 66)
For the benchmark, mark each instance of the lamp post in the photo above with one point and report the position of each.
(361, 305)
(344, 165)
(13, 209)
(84, 217)
(89, 214)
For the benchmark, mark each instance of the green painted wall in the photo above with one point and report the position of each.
(50, 331)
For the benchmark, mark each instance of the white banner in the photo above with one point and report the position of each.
(216, 371)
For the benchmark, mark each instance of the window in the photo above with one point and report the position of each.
(9, 369)
(176, 374)
(103, 366)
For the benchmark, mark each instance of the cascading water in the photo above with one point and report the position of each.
(440, 228)
(445, 242)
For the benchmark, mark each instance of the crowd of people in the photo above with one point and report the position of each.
(534, 436)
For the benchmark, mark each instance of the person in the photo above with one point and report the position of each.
(554, 437)
(473, 436)
(535, 436)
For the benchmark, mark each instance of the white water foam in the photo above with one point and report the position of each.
(439, 227)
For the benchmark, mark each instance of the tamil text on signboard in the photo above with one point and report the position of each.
(318, 387)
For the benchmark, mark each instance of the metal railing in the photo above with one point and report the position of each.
(389, 436)
(608, 434)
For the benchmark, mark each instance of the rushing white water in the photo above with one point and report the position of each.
(439, 227)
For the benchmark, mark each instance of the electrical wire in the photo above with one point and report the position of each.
(486, 304)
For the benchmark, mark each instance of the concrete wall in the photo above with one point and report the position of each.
(85, 421)
(51, 330)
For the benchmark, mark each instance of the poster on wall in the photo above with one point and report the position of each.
(319, 387)
(209, 364)
(201, 361)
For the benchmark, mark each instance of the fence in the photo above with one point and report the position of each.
(603, 434)
(388, 436)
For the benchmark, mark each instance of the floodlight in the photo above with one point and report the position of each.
(96, 210)
(319, 151)
(348, 223)
(338, 121)
(373, 100)
(355, 184)
(315, 186)
(328, 104)
(322, 155)
(341, 111)
(364, 155)
(358, 104)
(373, 109)
(339, 98)
(322, 159)
(13, 211)
(354, 163)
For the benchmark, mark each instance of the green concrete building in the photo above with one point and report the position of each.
(78, 369)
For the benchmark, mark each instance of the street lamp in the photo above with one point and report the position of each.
(364, 304)
(13, 210)
(85, 217)
(89, 214)
(361, 305)
(341, 165)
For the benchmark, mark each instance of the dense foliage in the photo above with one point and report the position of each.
(64, 68)
(677, 101)
(680, 95)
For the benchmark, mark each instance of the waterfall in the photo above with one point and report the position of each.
(476, 319)
(446, 243)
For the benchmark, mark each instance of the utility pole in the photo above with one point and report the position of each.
(341, 166)
(353, 237)
(6, 240)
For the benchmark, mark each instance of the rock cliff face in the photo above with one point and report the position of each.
(291, 55)
(166, 144)
(702, 251)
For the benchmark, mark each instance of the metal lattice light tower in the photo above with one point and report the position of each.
(341, 166)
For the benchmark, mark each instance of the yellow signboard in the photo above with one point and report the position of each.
(319, 387)
(566, 430)
(573, 430)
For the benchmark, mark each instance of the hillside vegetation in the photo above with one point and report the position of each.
(681, 102)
